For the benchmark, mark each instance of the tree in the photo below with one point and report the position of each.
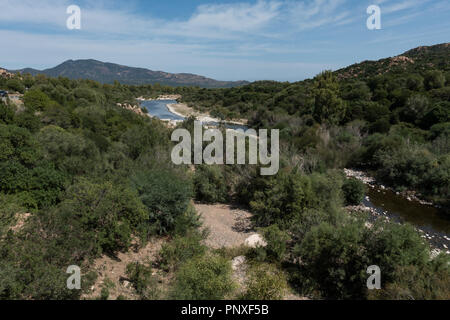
(36, 100)
(328, 106)
(354, 191)
(434, 80)
(166, 196)
(15, 85)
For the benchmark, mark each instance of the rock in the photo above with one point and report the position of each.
(237, 262)
(435, 253)
(255, 241)
(126, 283)
(368, 225)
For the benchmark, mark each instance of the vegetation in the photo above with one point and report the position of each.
(204, 278)
(81, 177)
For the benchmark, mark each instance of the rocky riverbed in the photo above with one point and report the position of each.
(382, 202)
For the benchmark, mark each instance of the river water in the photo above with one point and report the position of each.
(429, 220)
(158, 109)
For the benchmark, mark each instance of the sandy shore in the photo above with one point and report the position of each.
(183, 110)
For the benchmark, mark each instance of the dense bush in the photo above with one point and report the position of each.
(181, 249)
(265, 282)
(209, 184)
(276, 242)
(336, 259)
(204, 278)
(354, 191)
(166, 196)
(142, 279)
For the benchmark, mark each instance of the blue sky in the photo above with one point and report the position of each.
(226, 40)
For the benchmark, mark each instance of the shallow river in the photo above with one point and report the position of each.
(433, 223)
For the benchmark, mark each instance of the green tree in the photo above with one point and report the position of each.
(434, 80)
(328, 106)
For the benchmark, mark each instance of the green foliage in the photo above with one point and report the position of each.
(107, 214)
(284, 197)
(36, 100)
(354, 191)
(181, 249)
(6, 113)
(328, 107)
(434, 79)
(141, 277)
(276, 242)
(15, 85)
(166, 196)
(204, 278)
(336, 259)
(265, 282)
(418, 283)
(209, 184)
(71, 153)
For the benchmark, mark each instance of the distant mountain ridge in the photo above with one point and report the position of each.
(105, 72)
(415, 60)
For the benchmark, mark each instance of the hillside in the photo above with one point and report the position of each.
(415, 60)
(110, 72)
(85, 182)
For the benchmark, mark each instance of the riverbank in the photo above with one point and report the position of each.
(383, 202)
(184, 111)
(367, 179)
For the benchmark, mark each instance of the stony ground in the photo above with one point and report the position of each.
(113, 270)
(229, 226)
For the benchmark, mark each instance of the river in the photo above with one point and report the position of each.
(159, 109)
(380, 201)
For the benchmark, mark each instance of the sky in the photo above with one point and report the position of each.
(283, 40)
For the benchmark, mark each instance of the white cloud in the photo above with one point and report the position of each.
(235, 17)
(317, 13)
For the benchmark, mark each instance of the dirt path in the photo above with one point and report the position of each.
(229, 226)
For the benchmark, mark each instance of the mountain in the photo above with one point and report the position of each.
(415, 60)
(109, 72)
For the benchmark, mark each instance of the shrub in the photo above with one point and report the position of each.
(418, 283)
(276, 242)
(434, 80)
(106, 213)
(354, 191)
(335, 260)
(15, 85)
(36, 100)
(204, 278)
(141, 277)
(181, 249)
(265, 282)
(166, 196)
(209, 184)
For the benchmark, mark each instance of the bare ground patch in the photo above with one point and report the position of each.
(113, 270)
(229, 226)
